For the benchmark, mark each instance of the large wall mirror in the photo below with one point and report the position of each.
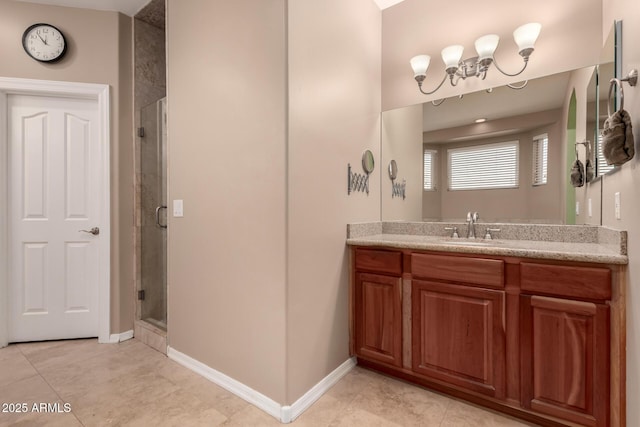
(503, 152)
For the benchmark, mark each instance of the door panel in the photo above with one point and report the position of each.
(378, 308)
(565, 358)
(33, 146)
(77, 150)
(54, 194)
(35, 262)
(76, 293)
(458, 335)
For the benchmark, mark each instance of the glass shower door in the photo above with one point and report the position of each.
(153, 206)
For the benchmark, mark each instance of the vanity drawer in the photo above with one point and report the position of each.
(566, 281)
(379, 261)
(476, 271)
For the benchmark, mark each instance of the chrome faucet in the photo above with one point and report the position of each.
(472, 218)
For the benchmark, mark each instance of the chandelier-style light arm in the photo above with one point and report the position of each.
(522, 86)
(526, 62)
(420, 79)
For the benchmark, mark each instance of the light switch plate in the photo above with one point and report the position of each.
(178, 209)
(617, 204)
(577, 208)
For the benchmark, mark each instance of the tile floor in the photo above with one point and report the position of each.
(130, 384)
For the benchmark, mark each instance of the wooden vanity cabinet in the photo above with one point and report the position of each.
(536, 339)
(564, 345)
(378, 306)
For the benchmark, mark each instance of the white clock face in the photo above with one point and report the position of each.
(44, 42)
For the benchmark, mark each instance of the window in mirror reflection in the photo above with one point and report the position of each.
(429, 170)
(540, 154)
(484, 166)
(601, 162)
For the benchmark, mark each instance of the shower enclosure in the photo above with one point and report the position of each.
(152, 255)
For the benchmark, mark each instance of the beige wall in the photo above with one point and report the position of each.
(99, 52)
(334, 115)
(432, 202)
(626, 182)
(258, 268)
(227, 161)
(402, 141)
(569, 39)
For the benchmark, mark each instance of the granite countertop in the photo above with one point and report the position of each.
(564, 243)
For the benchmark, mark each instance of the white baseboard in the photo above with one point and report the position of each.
(285, 414)
(256, 398)
(290, 413)
(116, 338)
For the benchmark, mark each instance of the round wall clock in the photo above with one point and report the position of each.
(44, 42)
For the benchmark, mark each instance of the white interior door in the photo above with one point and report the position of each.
(54, 172)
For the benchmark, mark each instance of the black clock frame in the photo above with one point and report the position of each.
(24, 43)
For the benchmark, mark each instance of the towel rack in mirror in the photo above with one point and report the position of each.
(587, 145)
(632, 79)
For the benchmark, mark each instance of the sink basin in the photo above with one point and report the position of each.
(466, 243)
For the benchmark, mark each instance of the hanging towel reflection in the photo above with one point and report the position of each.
(617, 138)
(577, 174)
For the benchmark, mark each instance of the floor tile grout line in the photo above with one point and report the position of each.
(39, 374)
(19, 380)
(82, 360)
(446, 411)
(98, 356)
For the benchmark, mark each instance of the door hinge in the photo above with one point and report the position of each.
(141, 132)
(141, 295)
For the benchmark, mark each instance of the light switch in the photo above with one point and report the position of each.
(577, 208)
(589, 209)
(617, 204)
(178, 209)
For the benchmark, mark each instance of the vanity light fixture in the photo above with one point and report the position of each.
(477, 66)
(480, 120)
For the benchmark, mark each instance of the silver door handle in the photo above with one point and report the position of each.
(95, 231)
(158, 216)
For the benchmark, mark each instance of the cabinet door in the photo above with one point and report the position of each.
(458, 335)
(565, 359)
(378, 322)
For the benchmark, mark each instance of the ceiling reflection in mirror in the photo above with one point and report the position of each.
(542, 94)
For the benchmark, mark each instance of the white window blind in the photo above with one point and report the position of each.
(602, 167)
(429, 170)
(484, 166)
(540, 154)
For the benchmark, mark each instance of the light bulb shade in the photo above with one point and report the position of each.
(486, 46)
(526, 35)
(451, 55)
(420, 64)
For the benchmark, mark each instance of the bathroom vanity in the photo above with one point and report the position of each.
(531, 326)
